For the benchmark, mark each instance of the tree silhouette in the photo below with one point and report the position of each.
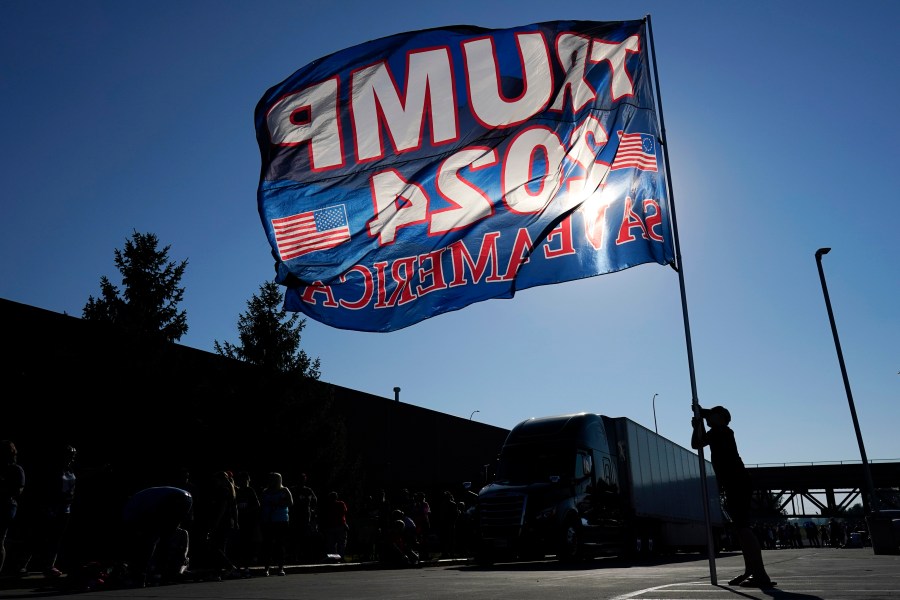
(270, 336)
(149, 304)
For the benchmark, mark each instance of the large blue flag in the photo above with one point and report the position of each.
(422, 172)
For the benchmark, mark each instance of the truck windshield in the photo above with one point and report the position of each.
(526, 464)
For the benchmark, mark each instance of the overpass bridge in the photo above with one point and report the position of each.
(823, 489)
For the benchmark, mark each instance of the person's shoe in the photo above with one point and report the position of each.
(758, 582)
(740, 578)
(281, 572)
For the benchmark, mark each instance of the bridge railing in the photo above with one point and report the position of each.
(824, 462)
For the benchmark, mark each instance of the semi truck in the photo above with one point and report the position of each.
(581, 485)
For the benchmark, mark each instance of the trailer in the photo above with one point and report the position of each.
(584, 484)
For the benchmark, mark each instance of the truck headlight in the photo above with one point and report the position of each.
(547, 513)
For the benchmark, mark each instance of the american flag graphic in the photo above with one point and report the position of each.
(636, 151)
(311, 231)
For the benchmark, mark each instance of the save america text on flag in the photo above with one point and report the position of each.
(420, 173)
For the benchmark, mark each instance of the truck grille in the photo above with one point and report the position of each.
(506, 511)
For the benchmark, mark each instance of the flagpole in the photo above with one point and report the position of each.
(695, 403)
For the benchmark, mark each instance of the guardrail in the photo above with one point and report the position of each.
(824, 462)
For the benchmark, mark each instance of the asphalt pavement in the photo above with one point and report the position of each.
(801, 574)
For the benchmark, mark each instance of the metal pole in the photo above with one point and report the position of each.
(654, 414)
(872, 503)
(679, 267)
(473, 414)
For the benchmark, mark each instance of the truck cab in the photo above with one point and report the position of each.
(555, 491)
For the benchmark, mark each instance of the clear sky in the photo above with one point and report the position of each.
(782, 126)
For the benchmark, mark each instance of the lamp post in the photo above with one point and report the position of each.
(837, 344)
(473, 414)
(654, 413)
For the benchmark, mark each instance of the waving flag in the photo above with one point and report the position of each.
(422, 172)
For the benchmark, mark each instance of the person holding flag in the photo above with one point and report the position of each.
(734, 481)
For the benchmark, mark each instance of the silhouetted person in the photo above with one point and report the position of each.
(835, 533)
(812, 534)
(55, 493)
(421, 515)
(368, 530)
(465, 531)
(410, 539)
(12, 483)
(219, 518)
(275, 518)
(823, 531)
(248, 534)
(334, 524)
(152, 520)
(395, 548)
(303, 514)
(734, 482)
(447, 517)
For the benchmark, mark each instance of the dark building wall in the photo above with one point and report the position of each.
(416, 445)
(126, 404)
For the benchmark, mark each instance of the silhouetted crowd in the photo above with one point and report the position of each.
(220, 527)
(834, 533)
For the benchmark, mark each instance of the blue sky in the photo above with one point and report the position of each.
(782, 129)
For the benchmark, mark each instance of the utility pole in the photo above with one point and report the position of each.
(654, 414)
(872, 503)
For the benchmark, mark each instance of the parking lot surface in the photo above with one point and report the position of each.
(801, 574)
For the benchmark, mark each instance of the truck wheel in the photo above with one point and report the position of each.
(637, 544)
(640, 546)
(570, 542)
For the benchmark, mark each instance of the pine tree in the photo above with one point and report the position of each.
(270, 337)
(149, 304)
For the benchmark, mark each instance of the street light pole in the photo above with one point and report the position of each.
(868, 506)
(473, 414)
(654, 413)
